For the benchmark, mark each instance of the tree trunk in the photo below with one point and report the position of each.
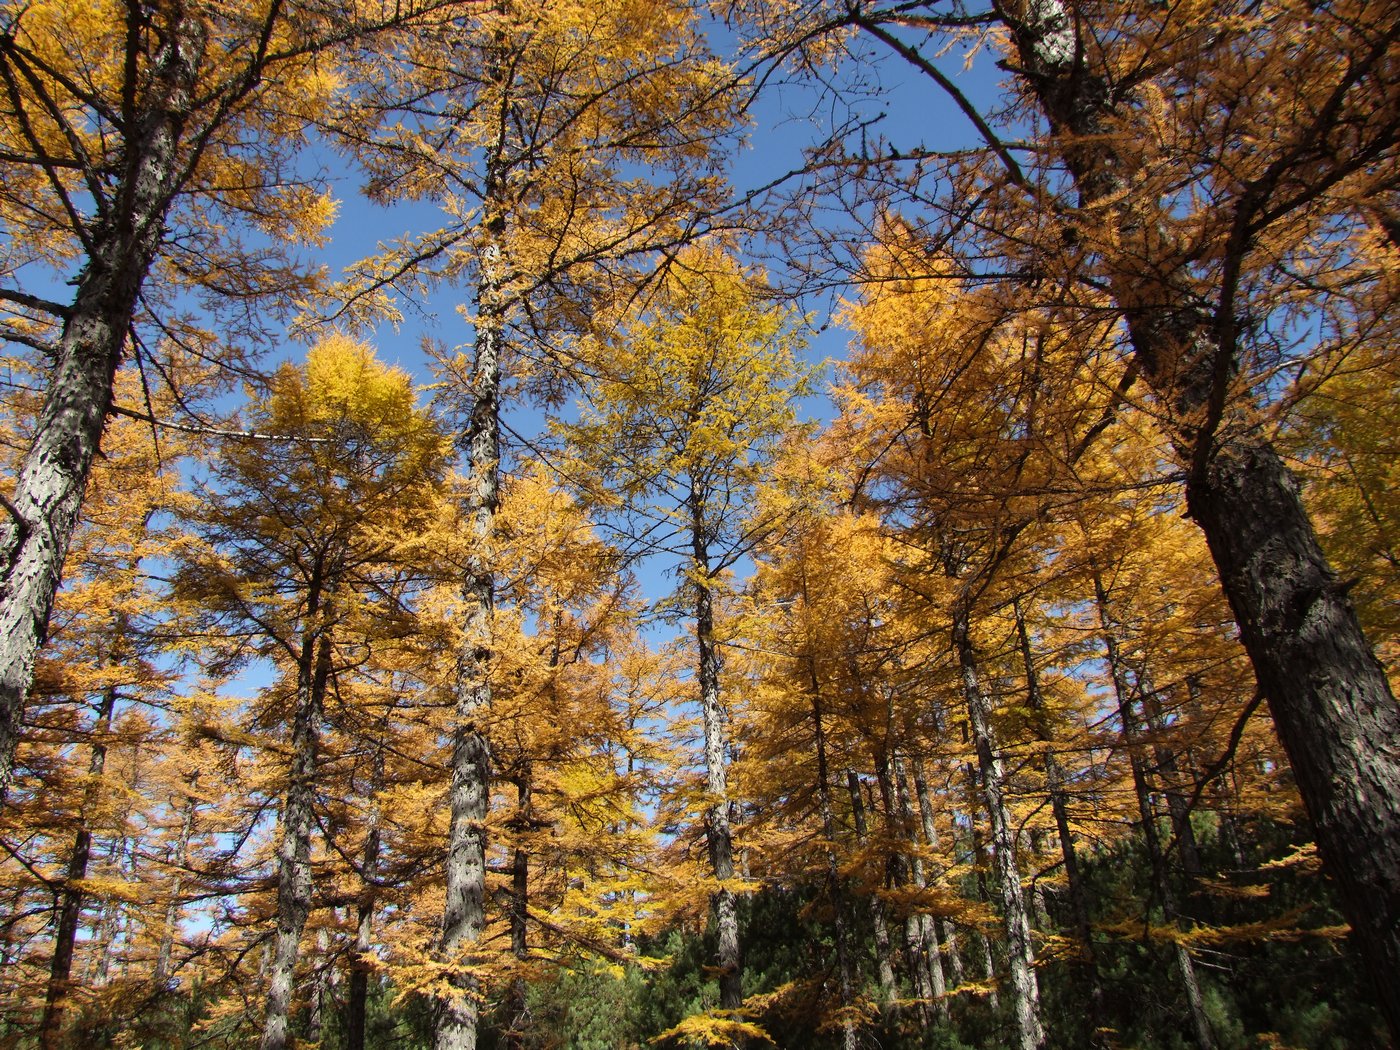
(1020, 952)
(1200, 1023)
(897, 874)
(833, 871)
(884, 955)
(1329, 697)
(1174, 787)
(1059, 807)
(70, 908)
(469, 796)
(928, 979)
(517, 1011)
(718, 835)
(37, 523)
(298, 822)
(930, 829)
(321, 972)
(357, 990)
(180, 857)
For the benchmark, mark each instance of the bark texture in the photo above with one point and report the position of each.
(1328, 695)
(294, 883)
(37, 525)
(719, 836)
(1020, 952)
(469, 794)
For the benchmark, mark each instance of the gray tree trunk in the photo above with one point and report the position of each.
(469, 796)
(70, 908)
(179, 856)
(37, 523)
(833, 873)
(357, 992)
(1020, 952)
(718, 834)
(929, 982)
(298, 822)
(1059, 806)
(884, 956)
(949, 950)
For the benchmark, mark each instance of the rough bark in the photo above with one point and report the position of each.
(469, 795)
(1329, 697)
(37, 524)
(718, 834)
(1020, 952)
(294, 883)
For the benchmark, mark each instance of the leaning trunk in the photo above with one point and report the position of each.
(1329, 697)
(37, 523)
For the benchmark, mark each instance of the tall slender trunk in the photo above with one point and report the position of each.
(930, 831)
(1020, 952)
(835, 893)
(517, 1010)
(469, 794)
(1329, 697)
(984, 894)
(1200, 1023)
(357, 987)
(897, 875)
(1174, 783)
(107, 929)
(37, 522)
(321, 984)
(1059, 807)
(298, 822)
(718, 834)
(929, 983)
(70, 907)
(180, 856)
(884, 964)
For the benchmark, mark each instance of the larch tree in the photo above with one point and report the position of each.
(1197, 297)
(301, 530)
(691, 400)
(570, 147)
(1224, 181)
(95, 691)
(148, 150)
